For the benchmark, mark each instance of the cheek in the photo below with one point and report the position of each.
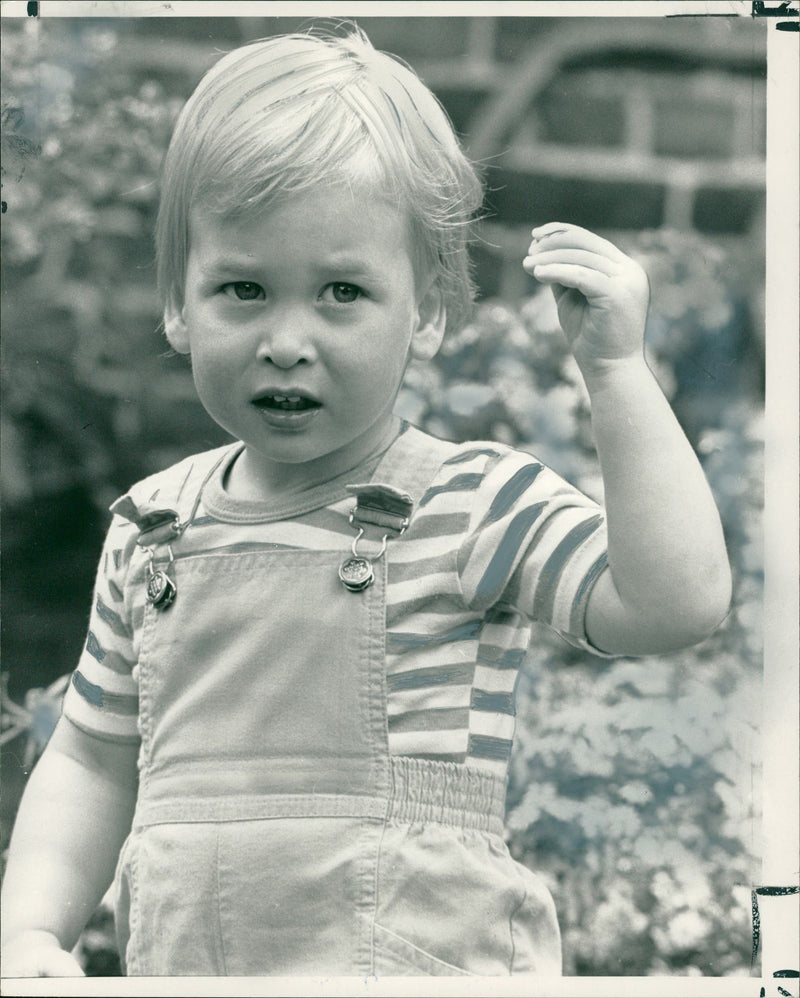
(212, 370)
(382, 364)
(213, 343)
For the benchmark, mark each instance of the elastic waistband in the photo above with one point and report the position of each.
(446, 793)
(418, 791)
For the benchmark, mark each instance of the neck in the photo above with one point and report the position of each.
(251, 477)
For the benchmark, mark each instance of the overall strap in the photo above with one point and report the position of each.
(162, 505)
(387, 502)
(412, 461)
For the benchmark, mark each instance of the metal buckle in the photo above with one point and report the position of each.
(376, 505)
(161, 589)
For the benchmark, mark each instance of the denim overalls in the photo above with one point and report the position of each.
(274, 834)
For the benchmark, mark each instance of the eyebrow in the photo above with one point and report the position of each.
(352, 266)
(227, 266)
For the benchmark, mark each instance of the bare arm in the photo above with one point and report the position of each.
(669, 580)
(75, 814)
(668, 583)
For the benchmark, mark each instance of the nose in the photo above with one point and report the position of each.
(286, 339)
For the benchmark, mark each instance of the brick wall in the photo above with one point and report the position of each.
(612, 123)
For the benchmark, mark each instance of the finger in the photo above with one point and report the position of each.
(583, 258)
(590, 283)
(558, 234)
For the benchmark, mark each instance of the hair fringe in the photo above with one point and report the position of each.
(284, 114)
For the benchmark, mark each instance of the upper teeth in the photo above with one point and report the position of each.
(286, 398)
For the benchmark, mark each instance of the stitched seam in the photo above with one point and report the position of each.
(384, 825)
(133, 915)
(145, 704)
(219, 913)
(512, 916)
(378, 677)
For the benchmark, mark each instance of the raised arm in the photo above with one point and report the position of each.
(668, 583)
(74, 816)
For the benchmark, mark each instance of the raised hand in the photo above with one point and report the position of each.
(601, 294)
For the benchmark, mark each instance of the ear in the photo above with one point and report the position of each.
(175, 326)
(430, 326)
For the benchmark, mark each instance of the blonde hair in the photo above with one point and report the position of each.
(292, 112)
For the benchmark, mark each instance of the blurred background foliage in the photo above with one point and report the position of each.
(634, 784)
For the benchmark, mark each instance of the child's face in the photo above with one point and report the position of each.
(300, 322)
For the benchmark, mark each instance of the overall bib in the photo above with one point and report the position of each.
(274, 834)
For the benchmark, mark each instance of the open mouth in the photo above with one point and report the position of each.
(286, 403)
(287, 411)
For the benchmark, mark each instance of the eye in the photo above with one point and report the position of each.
(343, 293)
(243, 290)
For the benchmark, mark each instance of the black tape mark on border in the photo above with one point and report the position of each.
(774, 892)
(759, 8)
(787, 26)
(786, 973)
(756, 916)
(33, 8)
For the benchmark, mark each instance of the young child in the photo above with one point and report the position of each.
(290, 726)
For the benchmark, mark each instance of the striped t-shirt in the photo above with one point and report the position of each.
(496, 541)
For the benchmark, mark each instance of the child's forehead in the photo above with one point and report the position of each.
(328, 223)
(337, 199)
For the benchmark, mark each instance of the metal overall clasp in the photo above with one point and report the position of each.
(159, 526)
(377, 505)
(161, 588)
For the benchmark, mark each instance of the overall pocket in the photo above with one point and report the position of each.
(445, 899)
(395, 956)
(168, 901)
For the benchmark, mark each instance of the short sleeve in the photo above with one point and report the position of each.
(536, 545)
(102, 698)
